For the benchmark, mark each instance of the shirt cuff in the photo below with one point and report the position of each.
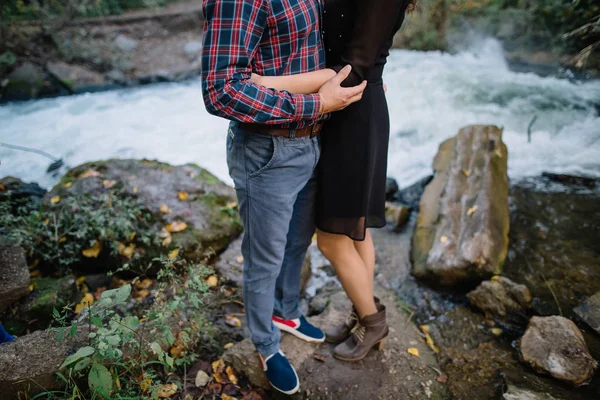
(308, 106)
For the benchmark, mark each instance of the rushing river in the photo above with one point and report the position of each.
(430, 94)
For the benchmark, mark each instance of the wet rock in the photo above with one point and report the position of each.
(502, 299)
(14, 275)
(516, 393)
(462, 227)
(589, 311)
(18, 189)
(412, 195)
(397, 215)
(116, 76)
(26, 81)
(586, 181)
(126, 44)
(28, 365)
(391, 188)
(208, 209)
(75, 78)
(555, 345)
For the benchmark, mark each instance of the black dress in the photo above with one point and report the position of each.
(354, 142)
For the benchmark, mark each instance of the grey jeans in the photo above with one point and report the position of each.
(275, 181)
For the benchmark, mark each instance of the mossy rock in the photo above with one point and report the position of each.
(47, 294)
(208, 207)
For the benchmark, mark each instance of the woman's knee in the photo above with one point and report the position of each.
(331, 245)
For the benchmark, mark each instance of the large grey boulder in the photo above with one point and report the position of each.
(501, 298)
(28, 365)
(589, 312)
(554, 345)
(14, 275)
(186, 194)
(462, 227)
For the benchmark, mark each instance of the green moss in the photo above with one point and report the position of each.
(207, 177)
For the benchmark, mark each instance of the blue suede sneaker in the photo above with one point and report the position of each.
(300, 328)
(280, 373)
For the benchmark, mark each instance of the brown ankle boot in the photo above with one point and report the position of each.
(370, 331)
(338, 334)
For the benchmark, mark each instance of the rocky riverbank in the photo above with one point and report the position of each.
(141, 239)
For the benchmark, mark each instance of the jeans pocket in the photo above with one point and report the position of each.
(260, 152)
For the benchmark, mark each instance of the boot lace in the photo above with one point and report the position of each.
(352, 319)
(358, 331)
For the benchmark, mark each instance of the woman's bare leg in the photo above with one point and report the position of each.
(366, 250)
(353, 273)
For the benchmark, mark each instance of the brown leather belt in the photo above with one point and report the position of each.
(309, 131)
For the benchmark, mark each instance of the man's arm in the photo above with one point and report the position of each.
(232, 34)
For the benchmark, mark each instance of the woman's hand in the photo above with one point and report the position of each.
(256, 78)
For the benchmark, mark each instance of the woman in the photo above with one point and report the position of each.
(352, 168)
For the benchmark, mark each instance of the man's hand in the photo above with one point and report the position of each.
(334, 97)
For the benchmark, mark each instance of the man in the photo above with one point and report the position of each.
(272, 152)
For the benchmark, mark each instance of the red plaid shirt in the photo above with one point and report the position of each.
(270, 38)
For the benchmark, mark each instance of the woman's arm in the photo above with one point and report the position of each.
(306, 83)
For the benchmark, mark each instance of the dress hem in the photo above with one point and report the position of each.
(345, 234)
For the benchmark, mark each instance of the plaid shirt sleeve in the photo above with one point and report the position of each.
(232, 34)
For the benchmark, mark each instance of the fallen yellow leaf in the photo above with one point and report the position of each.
(495, 277)
(240, 259)
(466, 172)
(68, 184)
(231, 375)
(444, 239)
(163, 233)
(182, 196)
(232, 320)
(428, 339)
(166, 241)
(32, 287)
(89, 173)
(132, 236)
(35, 274)
(55, 199)
(228, 346)
(471, 210)
(62, 240)
(414, 351)
(497, 331)
(108, 184)
(136, 189)
(93, 251)
(2, 188)
(88, 300)
(173, 253)
(167, 390)
(142, 294)
(165, 209)
(212, 281)
(176, 226)
(144, 284)
(218, 366)
(126, 251)
(225, 396)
